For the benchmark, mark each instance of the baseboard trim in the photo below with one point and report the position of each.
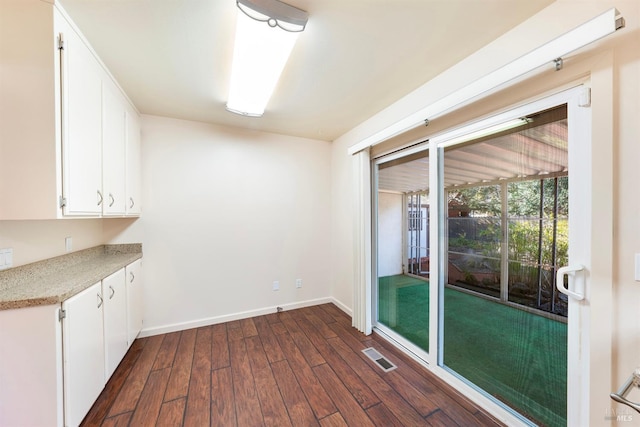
(147, 332)
(342, 307)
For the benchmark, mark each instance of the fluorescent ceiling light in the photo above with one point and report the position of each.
(449, 140)
(266, 32)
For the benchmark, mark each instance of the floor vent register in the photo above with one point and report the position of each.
(380, 360)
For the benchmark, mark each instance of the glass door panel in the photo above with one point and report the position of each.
(402, 233)
(418, 234)
(505, 235)
(474, 230)
(538, 242)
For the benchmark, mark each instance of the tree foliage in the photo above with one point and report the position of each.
(523, 198)
(537, 233)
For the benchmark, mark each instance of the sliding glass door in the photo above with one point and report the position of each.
(471, 233)
(402, 222)
(505, 324)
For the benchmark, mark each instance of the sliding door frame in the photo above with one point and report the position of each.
(579, 314)
(413, 350)
(596, 71)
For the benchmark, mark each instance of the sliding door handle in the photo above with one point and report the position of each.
(569, 270)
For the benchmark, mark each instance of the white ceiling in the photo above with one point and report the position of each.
(355, 58)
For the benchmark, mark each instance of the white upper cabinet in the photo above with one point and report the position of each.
(30, 160)
(114, 135)
(65, 124)
(81, 126)
(133, 164)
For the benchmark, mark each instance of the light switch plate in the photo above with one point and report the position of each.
(637, 268)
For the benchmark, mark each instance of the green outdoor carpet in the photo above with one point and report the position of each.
(518, 357)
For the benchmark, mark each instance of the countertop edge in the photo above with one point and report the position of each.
(54, 280)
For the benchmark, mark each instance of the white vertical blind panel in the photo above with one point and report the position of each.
(362, 239)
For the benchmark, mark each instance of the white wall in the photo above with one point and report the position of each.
(615, 64)
(37, 240)
(225, 213)
(342, 232)
(389, 234)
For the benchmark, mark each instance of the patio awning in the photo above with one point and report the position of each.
(536, 151)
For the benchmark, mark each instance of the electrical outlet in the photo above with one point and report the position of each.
(6, 258)
(68, 244)
(276, 285)
(298, 283)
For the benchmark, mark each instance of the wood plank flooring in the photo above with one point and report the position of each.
(301, 367)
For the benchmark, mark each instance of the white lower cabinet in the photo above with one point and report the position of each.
(83, 349)
(56, 359)
(134, 297)
(31, 367)
(115, 321)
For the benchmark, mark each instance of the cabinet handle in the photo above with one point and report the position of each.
(131, 202)
(111, 200)
(100, 300)
(100, 198)
(113, 292)
(132, 277)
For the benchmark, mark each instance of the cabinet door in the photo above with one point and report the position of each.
(31, 367)
(83, 349)
(134, 299)
(81, 128)
(113, 151)
(115, 320)
(133, 164)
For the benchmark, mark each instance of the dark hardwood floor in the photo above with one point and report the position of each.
(296, 368)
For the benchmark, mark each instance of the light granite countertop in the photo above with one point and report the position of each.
(56, 279)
